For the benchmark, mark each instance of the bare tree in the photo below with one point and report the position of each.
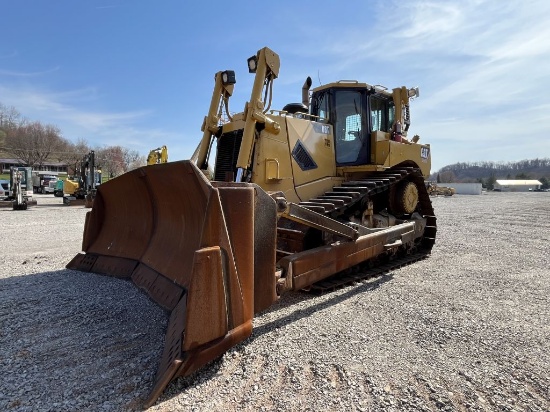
(132, 159)
(9, 117)
(73, 153)
(33, 142)
(111, 160)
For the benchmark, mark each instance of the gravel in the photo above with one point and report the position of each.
(466, 329)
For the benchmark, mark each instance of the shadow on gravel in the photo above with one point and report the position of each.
(298, 314)
(76, 341)
(210, 371)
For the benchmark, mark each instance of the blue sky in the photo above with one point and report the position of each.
(140, 73)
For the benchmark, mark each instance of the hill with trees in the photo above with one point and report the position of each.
(488, 172)
(35, 144)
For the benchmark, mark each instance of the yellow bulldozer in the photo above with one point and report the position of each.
(299, 198)
(435, 189)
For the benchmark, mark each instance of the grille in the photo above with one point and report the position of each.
(302, 157)
(228, 148)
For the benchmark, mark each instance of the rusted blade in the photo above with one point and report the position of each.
(188, 243)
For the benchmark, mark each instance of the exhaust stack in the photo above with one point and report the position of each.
(305, 92)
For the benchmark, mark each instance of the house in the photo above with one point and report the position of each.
(48, 167)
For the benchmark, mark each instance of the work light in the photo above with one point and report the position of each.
(228, 77)
(252, 64)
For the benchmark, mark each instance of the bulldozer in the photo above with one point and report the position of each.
(299, 198)
(435, 189)
(158, 155)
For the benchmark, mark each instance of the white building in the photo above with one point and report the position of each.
(517, 185)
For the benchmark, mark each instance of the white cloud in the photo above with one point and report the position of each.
(65, 107)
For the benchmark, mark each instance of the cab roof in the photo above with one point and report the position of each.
(346, 84)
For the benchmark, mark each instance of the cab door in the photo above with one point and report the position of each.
(351, 127)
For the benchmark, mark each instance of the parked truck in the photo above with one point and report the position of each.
(41, 181)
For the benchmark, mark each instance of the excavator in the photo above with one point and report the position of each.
(21, 195)
(317, 195)
(81, 189)
(158, 155)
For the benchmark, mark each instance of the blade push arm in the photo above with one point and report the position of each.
(223, 89)
(266, 66)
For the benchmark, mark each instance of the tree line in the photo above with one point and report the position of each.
(488, 172)
(35, 144)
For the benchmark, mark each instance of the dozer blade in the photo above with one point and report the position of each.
(196, 247)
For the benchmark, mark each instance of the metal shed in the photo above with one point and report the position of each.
(517, 185)
(465, 188)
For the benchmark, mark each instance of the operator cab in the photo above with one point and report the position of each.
(354, 110)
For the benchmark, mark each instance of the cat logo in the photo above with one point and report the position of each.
(425, 152)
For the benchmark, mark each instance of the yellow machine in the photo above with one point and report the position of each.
(82, 188)
(435, 190)
(300, 197)
(158, 155)
(70, 187)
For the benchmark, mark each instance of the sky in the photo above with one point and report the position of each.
(140, 73)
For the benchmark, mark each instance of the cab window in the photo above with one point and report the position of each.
(382, 114)
(348, 128)
(320, 106)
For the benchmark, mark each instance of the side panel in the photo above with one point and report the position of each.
(382, 152)
(318, 142)
(276, 168)
(389, 153)
(403, 152)
(272, 169)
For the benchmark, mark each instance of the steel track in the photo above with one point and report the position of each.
(350, 194)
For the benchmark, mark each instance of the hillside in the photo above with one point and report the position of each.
(488, 172)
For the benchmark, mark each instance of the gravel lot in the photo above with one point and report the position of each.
(466, 329)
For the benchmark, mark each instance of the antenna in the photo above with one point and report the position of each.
(319, 77)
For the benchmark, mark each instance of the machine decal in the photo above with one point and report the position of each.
(321, 128)
(425, 152)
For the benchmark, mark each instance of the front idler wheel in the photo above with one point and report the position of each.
(404, 199)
